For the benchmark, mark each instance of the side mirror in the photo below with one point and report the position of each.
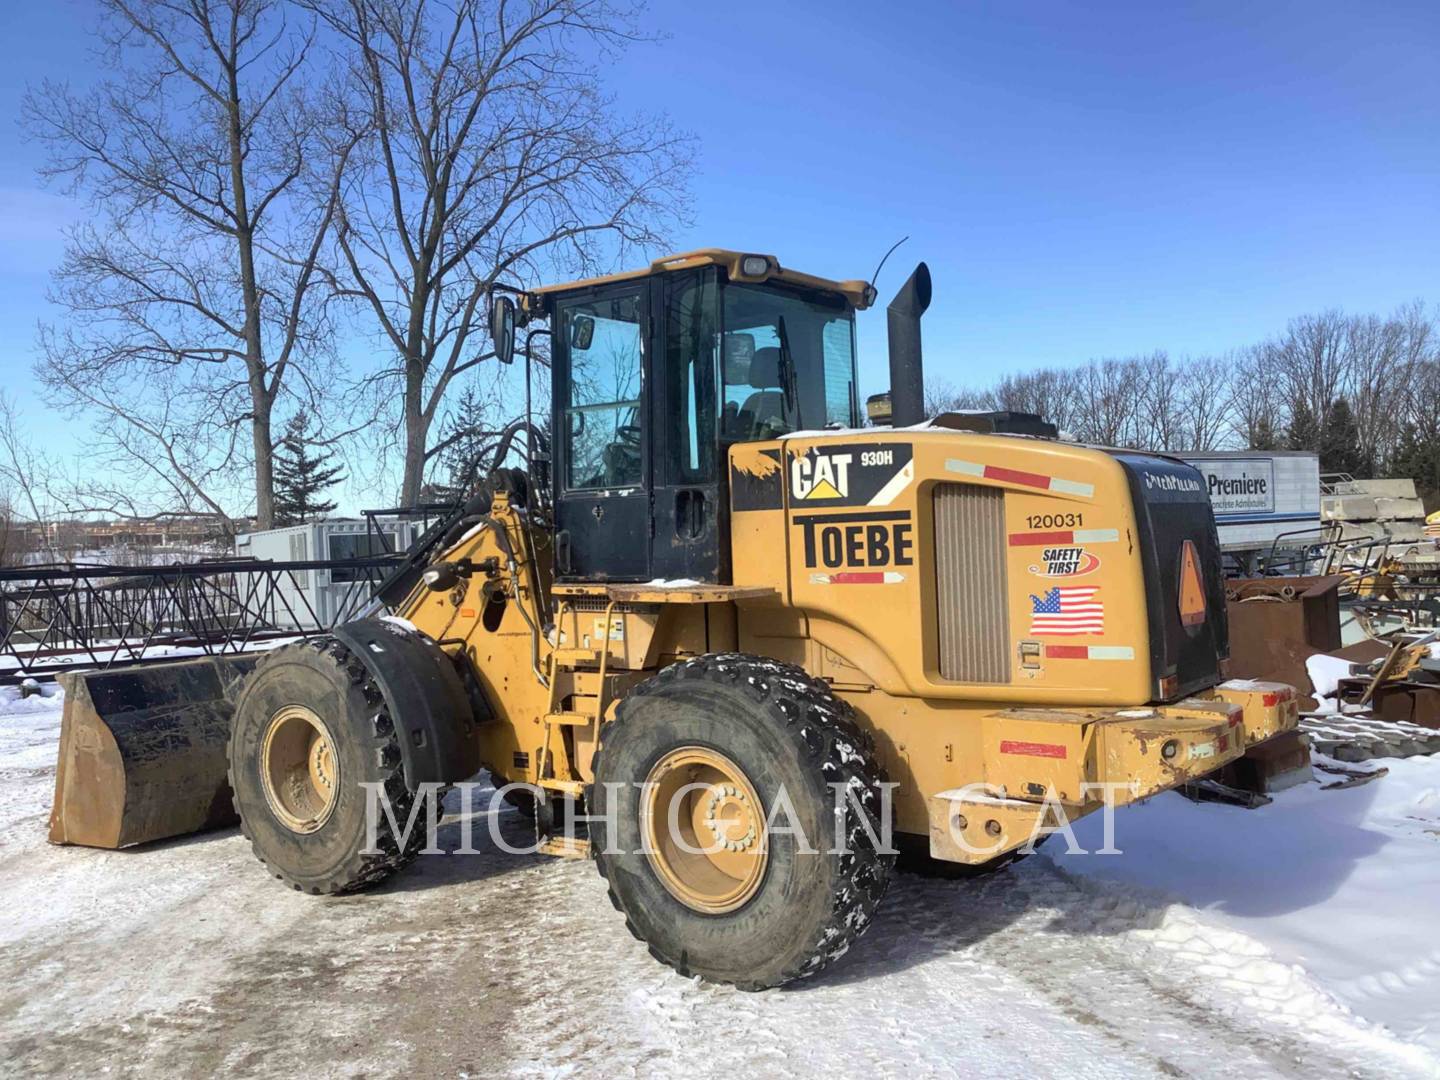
(502, 327)
(582, 332)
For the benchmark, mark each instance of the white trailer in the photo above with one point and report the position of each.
(328, 593)
(1262, 498)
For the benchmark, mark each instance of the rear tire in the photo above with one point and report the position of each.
(313, 834)
(770, 727)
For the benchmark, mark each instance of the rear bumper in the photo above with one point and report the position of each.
(1267, 708)
(1045, 767)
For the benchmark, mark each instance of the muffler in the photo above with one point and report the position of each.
(907, 370)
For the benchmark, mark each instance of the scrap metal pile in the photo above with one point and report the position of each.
(1372, 604)
(1375, 538)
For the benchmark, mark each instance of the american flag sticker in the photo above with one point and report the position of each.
(1067, 610)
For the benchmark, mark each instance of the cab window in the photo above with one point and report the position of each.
(690, 349)
(602, 413)
(788, 363)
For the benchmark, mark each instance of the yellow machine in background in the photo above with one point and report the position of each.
(717, 594)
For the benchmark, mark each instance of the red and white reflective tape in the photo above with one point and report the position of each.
(1032, 749)
(1019, 476)
(858, 577)
(1089, 652)
(1065, 536)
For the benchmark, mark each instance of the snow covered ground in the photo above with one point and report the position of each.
(1293, 941)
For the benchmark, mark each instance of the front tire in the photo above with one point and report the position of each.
(311, 728)
(747, 733)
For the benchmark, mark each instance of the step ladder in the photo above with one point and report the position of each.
(585, 711)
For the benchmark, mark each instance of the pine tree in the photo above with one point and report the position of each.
(301, 476)
(1339, 442)
(1417, 458)
(1265, 437)
(1304, 431)
(464, 433)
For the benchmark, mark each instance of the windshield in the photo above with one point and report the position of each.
(789, 364)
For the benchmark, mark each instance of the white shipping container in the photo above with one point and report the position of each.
(325, 592)
(1262, 496)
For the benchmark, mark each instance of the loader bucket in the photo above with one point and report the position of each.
(142, 752)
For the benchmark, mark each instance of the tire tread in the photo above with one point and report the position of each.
(837, 747)
(359, 870)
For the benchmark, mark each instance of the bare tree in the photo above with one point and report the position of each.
(492, 150)
(1106, 400)
(1159, 405)
(24, 478)
(1375, 381)
(944, 396)
(1048, 393)
(1312, 363)
(1257, 412)
(1417, 351)
(1203, 385)
(1418, 345)
(213, 193)
(1385, 370)
(155, 455)
(13, 541)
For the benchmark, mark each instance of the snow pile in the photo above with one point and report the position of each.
(1342, 883)
(29, 728)
(1325, 674)
(1222, 943)
(1243, 685)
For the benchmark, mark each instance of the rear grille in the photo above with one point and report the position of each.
(970, 592)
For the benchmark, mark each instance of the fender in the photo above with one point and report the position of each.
(428, 703)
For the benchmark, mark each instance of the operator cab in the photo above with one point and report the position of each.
(655, 374)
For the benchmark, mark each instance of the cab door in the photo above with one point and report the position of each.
(602, 375)
(690, 507)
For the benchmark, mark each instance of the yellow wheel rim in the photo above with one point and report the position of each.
(298, 768)
(704, 828)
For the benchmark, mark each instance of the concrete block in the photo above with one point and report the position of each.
(1403, 532)
(1347, 508)
(1351, 532)
(1390, 489)
(1388, 508)
(1279, 763)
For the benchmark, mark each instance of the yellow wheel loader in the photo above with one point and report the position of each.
(763, 647)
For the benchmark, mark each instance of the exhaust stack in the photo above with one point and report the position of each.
(907, 374)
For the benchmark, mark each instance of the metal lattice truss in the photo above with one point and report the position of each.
(55, 619)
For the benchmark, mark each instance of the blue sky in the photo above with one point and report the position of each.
(1084, 179)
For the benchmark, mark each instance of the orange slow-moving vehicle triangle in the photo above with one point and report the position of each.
(1192, 587)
